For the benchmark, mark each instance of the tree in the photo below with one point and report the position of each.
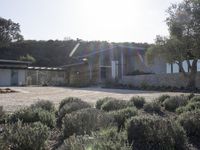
(183, 44)
(27, 58)
(9, 31)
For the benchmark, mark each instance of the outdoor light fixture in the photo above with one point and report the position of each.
(85, 59)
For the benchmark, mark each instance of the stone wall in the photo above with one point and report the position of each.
(44, 77)
(173, 80)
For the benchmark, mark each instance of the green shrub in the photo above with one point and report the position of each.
(153, 107)
(30, 115)
(114, 104)
(172, 103)
(85, 121)
(122, 115)
(2, 115)
(26, 137)
(191, 123)
(71, 105)
(154, 133)
(195, 99)
(138, 101)
(190, 96)
(191, 106)
(100, 102)
(69, 100)
(162, 98)
(107, 139)
(44, 104)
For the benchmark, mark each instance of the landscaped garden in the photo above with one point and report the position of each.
(167, 123)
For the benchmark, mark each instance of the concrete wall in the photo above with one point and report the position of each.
(174, 80)
(5, 77)
(21, 77)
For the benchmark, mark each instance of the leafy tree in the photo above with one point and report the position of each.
(9, 31)
(183, 44)
(27, 58)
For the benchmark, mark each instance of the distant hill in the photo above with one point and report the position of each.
(54, 53)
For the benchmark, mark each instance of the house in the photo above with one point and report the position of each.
(18, 73)
(13, 72)
(111, 64)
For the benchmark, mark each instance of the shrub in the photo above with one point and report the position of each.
(71, 105)
(148, 133)
(122, 115)
(172, 103)
(195, 99)
(85, 121)
(153, 107)
(191, 106)
(69, 100)
(114, 104)
(138, 101)
(2, 114)
(162, 98)
(44, 104)
(191, 123)
(107, 139)
(26, 137)
(30, 115)
(100, 102)
(190, 96)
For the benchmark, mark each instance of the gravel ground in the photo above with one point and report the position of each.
(25, 96)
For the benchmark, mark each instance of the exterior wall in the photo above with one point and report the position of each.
(80, 75)
(133, 63)
(174, 80)
(21, 77)
(5, 77)
(158, 66)
(42, 77)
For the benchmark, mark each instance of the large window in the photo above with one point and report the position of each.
(174, 68)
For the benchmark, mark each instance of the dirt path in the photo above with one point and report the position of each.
(28, 95)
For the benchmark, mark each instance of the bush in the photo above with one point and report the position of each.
(190, 96)
(191, 106)
(30, 115)
(2, 115)
(85, 121)
(44, 104)
(191, 123)
(172, 103)
(138, 101)
(122, 115)
(153, 107)
(162, 98)
(100, 102)
(70, 105)
(195, 99)
(114, 104)
(149, 133)
(26, 137)
(69, 100)
(107, 139)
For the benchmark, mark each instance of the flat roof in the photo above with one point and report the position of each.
(5, 61)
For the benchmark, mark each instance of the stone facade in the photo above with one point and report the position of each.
(173, 80)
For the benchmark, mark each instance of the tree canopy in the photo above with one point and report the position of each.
(9, 31)
(183, 44)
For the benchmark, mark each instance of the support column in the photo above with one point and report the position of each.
(122, 64)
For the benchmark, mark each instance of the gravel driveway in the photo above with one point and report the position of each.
(28, 95)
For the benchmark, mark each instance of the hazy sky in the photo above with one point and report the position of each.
(112, 20)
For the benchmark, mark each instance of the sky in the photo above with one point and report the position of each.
(110, 20)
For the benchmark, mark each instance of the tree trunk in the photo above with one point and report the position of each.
(192, 76)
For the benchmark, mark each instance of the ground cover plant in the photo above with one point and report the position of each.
(167, 122)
